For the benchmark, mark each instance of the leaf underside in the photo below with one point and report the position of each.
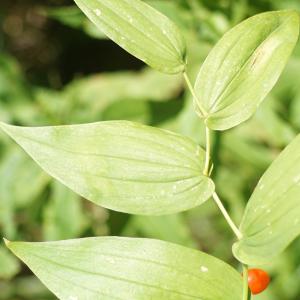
(139, 29)
(127, 268)
(121, 165)
(272, 217)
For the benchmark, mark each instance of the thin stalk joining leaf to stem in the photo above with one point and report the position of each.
(189, 84)
(226, 216)
(203, 113)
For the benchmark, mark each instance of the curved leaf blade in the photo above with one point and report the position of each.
(121, 165)
(272, 217)
(128, 268)
(244, 66)
(139, 29)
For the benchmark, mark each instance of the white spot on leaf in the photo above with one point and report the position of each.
(162, 192)
(98, 12)
(204, 269)
(297, 179)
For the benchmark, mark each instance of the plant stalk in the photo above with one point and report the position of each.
(189, 84)
(207, 151)
(207, 162)
(226, 216)
(246, 294)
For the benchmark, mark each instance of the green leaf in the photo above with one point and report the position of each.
(121, 165)
(244, 66)
(127, 268)
(272, 217)
(139, 29)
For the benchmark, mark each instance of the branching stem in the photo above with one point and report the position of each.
(214, 195)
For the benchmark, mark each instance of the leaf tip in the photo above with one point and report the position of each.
(6, 128)
(3, 125)
(6, 242)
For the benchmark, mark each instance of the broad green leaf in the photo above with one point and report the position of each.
(244, 66)
(121, 165)
(126, 268)
(139, 29)
(272, 217)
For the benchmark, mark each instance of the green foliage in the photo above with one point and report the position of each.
(9, 265)
(272, 217)
(73, 17)
(171, 228)
(243, 67)
(35, 207)
(62, 216)
(121, 165)
(122, 268)
(139, 29)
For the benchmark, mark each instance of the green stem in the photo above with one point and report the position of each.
(246, 295)
(226, 216)
(207, 152)
(187, 79)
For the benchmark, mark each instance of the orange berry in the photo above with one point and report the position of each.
(258, 280)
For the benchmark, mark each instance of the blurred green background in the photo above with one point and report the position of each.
(56, 68)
